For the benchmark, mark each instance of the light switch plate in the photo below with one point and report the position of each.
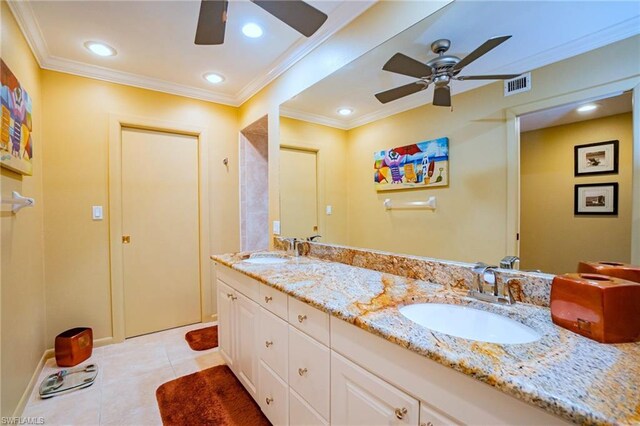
(276, 227)
(96, 212)
(329, 210)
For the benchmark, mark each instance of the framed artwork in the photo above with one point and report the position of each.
(596, 158)
(596, 198)
(420, 165)
(16, 144)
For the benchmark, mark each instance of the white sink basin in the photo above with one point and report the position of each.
(469, 323)
(265, 260)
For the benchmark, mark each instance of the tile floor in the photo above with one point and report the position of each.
(124, 392)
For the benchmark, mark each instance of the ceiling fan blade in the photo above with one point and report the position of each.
(442, 96)
(488, 77)
(297, 14)
(400, 92)
(402, 64)
(484, 48)
(212, 22)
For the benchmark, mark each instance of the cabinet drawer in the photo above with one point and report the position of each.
(360, 398)
(273, 300)
(273, 396)
(301, 413)
(312, 321)
(238, 281)
(309, 370)
(432, 417)
(273, 344)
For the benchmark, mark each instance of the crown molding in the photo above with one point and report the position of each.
(23, 12)
(313, 118)
(592, 41)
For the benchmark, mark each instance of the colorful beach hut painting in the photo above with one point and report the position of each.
(16, 144)
(421, 165)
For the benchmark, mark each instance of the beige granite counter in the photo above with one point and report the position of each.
(563, 373)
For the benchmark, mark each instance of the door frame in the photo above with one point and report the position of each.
(117, 123)
(512, 243)
(320, 187)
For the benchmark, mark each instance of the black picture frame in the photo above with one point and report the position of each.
(577, 157)
(582, 210)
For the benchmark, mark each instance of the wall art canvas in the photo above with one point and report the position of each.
(16, 143)
(421, 165)
(596, 158)
(596, 198)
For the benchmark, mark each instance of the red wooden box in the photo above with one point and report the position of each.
(602, 308)
(612, 269)
(73, 346)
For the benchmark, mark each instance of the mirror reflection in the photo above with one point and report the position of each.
(366, 172)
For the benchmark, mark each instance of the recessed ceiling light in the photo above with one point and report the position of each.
(214, 78)
(345, 111)
(587, 108)
(252, 30)
(100, 49)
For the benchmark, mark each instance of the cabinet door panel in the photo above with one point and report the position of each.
(432, 417)
(274, 396)
(226, 322)
(302, 414)
(360, 398)
(247, 312)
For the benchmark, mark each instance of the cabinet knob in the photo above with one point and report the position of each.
(269, 400)
(268, 299)
(234, 297)
(426, 424)
(301, 318)
(302, 371)
(229, 295)
(400, 413)
(268, 343)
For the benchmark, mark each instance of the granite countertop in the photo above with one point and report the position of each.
(563, 373)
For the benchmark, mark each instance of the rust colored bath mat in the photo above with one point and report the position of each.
(203, 339)
(209, 397)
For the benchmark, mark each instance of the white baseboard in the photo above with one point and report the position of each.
(47, 354)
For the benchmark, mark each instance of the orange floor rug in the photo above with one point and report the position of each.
(203, 339)
(209, 397)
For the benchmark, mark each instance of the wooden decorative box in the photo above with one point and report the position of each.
(602, 308)
(612, 269)
(73, 346)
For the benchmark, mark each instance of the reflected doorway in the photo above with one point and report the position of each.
(298, 192)
(555, 234)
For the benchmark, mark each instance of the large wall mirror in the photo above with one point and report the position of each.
(346, 157)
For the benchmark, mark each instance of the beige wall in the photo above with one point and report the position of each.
(76, 119)
(470, 221)
(331, 146)
(551, 237)
(22, 340)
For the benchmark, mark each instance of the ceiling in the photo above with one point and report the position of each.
(543, 32)
(566, 114)
(155, 43)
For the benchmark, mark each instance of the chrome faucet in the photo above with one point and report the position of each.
(510, 262)
(313, 238)
(293, 246)
(486, 286)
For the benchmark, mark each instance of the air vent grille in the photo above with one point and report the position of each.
(519, 84)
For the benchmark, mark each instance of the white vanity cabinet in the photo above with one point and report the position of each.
(238, 330)
(305, 367)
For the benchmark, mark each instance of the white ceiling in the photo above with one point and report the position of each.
(543, 32)
(155, 43)
(566, 114)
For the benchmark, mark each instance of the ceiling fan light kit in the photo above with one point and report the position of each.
(438, 71)
(299, 15)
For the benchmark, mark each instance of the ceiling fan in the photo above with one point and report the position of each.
(439, 71)
(297, 14)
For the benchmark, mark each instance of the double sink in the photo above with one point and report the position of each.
(455, 320)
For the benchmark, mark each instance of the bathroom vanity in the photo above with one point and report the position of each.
(320, 341)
